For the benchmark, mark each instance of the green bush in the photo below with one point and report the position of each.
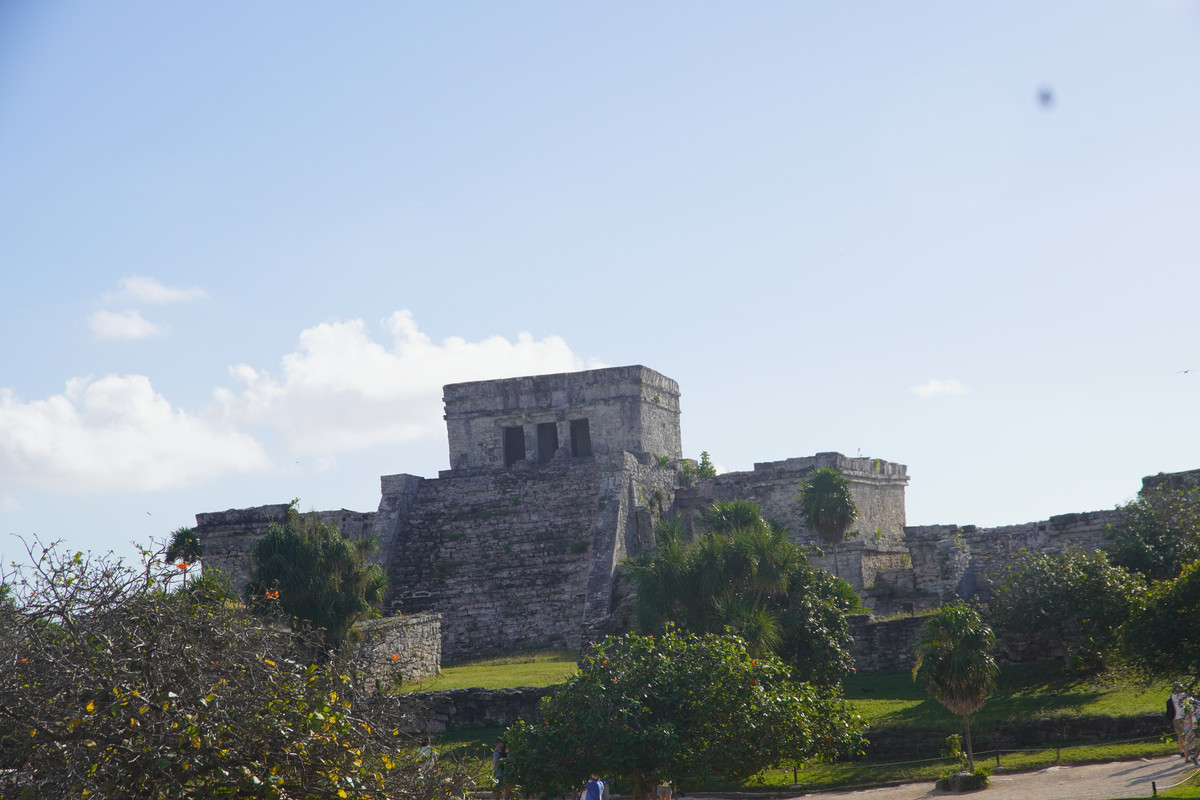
(117, 684)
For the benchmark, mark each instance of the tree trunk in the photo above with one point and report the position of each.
(967, 739)
(642, 786)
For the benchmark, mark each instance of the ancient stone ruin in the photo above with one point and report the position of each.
(555, 479)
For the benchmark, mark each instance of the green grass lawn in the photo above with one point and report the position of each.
(889, 700)
(543, 668)
(1023, 692)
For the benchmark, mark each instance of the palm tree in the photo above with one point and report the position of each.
(827, 508)
(737, 576)
(954, 663)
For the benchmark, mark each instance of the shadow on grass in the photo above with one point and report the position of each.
(1023, 692)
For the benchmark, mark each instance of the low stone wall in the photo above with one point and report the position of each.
(459, 709)
(399, 648)
(882, 645)
(879, 646)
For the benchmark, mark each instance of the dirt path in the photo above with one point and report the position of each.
(1091, 782)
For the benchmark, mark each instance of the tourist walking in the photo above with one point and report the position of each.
(1191, 745)
(1175, 708)
(498, 756)
(596, 788)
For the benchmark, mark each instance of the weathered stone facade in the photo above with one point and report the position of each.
(556, 479)
(877, 536)
(942, 562)
(399, 648)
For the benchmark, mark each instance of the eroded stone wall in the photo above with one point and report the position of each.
(458, 709)
(627, 409)
(399, 648)
(227, 536)
(952, 561)
(877, 487)
(519, 559)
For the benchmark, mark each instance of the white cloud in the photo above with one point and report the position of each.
(141, 289)
(342, 390)
(122, 325)
(115, 433)
(937, 386)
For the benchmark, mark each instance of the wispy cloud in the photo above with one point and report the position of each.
(122, 325)
(141, 289)
(937, 386)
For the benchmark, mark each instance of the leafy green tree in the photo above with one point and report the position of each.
(675, 707)
(1159, 532)
(954, 663)
(1159, 639)
(117, 684)
(1074, 597)
(827, 508)
(747, 577)
(322, 580)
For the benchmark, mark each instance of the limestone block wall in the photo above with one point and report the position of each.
(394, 649)
(949, 561)
(890, 644)
(521, 558)
(458, 709)
(878, 489)
(878, 646)
(227, 536)
(632, 409)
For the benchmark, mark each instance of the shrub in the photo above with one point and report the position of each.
(116, 684)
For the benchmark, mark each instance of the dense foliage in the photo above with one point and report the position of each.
(747, 577)
(954, 663)
(675, 707)
(1158, 639)
(114, 683)
(321, 579)
(1159, 532)
(1076, 598)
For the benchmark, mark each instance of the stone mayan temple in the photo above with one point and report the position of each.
(555, 479)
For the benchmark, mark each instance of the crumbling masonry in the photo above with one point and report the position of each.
(555, 479)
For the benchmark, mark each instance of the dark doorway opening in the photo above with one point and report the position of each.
(581, 438)
(547, 441)
(514, 445)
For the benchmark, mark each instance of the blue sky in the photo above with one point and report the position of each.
(244, 245)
